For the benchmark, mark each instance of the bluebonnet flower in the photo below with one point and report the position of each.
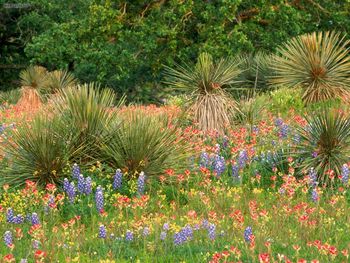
(242, 159)
(284, 129)
(162, 235)
(102, 232)
(314, 195)
(187, 231)
(75, 171)
(313, 177)
(71, 192)
(117, 182)
(129, 236)
(36, 244)
(99, 199)
(35, 219)
(314, 154)
(24, 260)
(87, 186)
(212, 231)
(219, 165)
(255, 129)
(10, 215)
(345, 174)
(146, 231)
(204, 160)
(248, 232)
(18, 219)
(81, 183)
(205, 224)
(166, 226)
(8, 238)
(65, 184)
(235, 171)
(2, 128)
(278, 122)
(179, 238)
(141, 183)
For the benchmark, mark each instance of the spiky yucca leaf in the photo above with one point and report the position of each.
(34, 77)
(144, 142)
(60, 79)
(255, 71)
(324, 143)
(206, 83)
(88, 110)
(38, 151)
(318, 62)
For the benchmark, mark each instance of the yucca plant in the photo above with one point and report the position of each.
(206, 84)
(88, 109)
(38, 151)
(324, 143)
(319, 63)
(144, 142)
(255, 71)
(33, 79)
(60, 79)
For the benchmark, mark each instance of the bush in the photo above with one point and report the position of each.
(324, 143)
(319, 63)
(87, 110)
(144, 143)
(284, 99)
(38, 151)
(206, 83)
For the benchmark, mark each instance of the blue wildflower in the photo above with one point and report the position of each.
(345, 174)
(71, 192)
(141, 183)
(248, 232)
(117, 182)
(81, 183)
(162, 235)
(219, 165)
(10, 215)
(102, 232)
(87, 186)
(99, 199)
(129, 235)
(35, 219)
(313, 177)
(8, 238)
(212, 231)
(75, 171)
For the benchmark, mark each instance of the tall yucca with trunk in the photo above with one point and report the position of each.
(318, 62)
(324, 143)
(207, 84)
(33, 79)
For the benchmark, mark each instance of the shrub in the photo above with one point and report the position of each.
(319, 63)
(10, 96)
(144, 143)
(38, 151)
(324, 143)
(59, 79)
(88, 111)
(206, 83)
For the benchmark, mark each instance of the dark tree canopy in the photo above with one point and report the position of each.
(123, 44)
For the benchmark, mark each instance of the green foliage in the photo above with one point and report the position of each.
(38, 151)
(284, 99)
(10, 96)
(114, 42)
(144, 143)
(324, 143)
(319, 63)
(86, 109)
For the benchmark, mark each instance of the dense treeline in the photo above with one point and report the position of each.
(124, 44)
